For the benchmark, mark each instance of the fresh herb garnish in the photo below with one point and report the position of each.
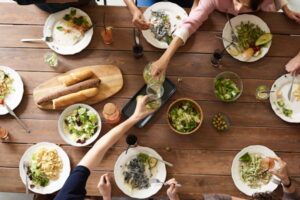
(60, 28)
(245, 158)
(67, 17)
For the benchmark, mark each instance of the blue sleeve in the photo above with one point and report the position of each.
(27, 2)
(74, 187)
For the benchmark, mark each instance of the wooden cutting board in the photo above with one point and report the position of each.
(111, 83)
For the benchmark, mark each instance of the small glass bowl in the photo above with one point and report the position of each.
(235, 78)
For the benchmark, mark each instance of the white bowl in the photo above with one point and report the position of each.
(67, 136)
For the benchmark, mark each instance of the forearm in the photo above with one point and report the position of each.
(171, 50)
(195, 4)
(97, 152)
(131, 6)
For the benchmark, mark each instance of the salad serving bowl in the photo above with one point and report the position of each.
(185, 116)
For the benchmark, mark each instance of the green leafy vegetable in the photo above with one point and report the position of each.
(246, 157)
(67, 17)
(60, 28)
(226, 89)
(73, 12)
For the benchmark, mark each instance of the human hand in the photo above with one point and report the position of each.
(104, 187)
(158, 69)
(139, 21)
(141, 110)
(172, 190)
(294, 64)
(281, 171)
(291, 14)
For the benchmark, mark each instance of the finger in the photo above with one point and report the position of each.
(107, 180)
(101, 181)
(170, 181)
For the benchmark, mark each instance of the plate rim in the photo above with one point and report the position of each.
(166, 4)
(139, 149)
(235, 160)
(39, 145)
(225, 43)
(88, 34)
(20, 90)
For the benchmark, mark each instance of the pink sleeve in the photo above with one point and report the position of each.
(198, 15)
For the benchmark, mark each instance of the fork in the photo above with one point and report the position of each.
(25, 165)
(233, 36)
(291, 87)
(155, 180)
(44, 39)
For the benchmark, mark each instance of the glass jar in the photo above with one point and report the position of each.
(262, 93)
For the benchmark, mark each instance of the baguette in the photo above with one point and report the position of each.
(75, 77)
(74, 98)
(91, 83)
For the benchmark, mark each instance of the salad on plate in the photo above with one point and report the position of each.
(81, 123)
(160, 26)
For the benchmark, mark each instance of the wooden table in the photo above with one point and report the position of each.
(202, 161)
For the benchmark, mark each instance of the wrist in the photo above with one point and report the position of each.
(133, 119)
(106, 197)
(286, 182)
(285, 9)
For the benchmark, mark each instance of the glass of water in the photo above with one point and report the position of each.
(155, 91)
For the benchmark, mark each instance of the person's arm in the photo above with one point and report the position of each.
(195, 4)
(282, 172)
(74, 187)
(27, 2)
(283, 4)
(294, 64)
(188, 27)
(137, 16)
(94, 156)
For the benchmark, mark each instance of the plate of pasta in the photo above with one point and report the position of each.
(11, 88)
(47, 167)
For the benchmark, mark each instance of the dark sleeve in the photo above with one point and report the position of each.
(74, 187)
(291, 196)
(27, 2)
(217, 197)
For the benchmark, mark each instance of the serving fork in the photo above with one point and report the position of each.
(44, 39)
(291, 87)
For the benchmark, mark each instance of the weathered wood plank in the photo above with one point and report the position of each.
(241, 114)
(193, 186)
(200, 42)
(183, 64)
(215, 22)
(278, 139)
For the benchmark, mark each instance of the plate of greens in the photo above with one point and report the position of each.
(254, 38)
(228, 86)
(134, 170)
(164, 18)
(185, 116)
(288, 111)
(71, 30)
(47, 167)
(250, 167)
(79, 125)
(11, 89)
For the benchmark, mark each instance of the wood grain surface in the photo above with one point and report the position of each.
(202, 160)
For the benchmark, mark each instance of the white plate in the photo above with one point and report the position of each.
(160, 174)
(245, 18)
(67, 136)
(170, 9)
(53, 185)
(283, 84)
(270, 187)
(15, 97)
(61, 49)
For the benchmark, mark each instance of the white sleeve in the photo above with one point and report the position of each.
(182, 33)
